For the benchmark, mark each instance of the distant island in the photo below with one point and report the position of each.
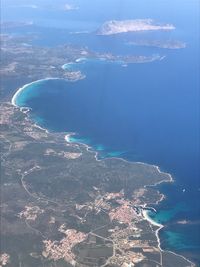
(69, 7)
(168, 44)
(123, 26)
(13, 24)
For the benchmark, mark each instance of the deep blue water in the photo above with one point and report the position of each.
(143, 112)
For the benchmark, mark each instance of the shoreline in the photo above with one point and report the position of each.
(161, 226)
(19, 90)
(90, 149)
(154, 223)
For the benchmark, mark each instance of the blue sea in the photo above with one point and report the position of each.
(141, 112)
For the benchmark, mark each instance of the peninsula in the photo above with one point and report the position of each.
(61, 205)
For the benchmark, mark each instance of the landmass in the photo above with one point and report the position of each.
(61, 205)
(45, 5)
(168, 44)
(12, 24)
(137, 25)
(24, 62)
(69, 7)
(130, 59)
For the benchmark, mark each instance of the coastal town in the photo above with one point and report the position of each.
(62, 206)
(80, 225)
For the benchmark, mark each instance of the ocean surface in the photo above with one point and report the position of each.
(145, 112)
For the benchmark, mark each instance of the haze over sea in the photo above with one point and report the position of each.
(142, 112)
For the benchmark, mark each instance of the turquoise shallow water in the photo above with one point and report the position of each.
(175, 239)
(144, 112)
(166, 215)
(74, 107)
(101, 149)
(32, 89)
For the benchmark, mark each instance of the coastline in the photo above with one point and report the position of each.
(152, 222)
(90, 149)
(159, 227)
(19, 90)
